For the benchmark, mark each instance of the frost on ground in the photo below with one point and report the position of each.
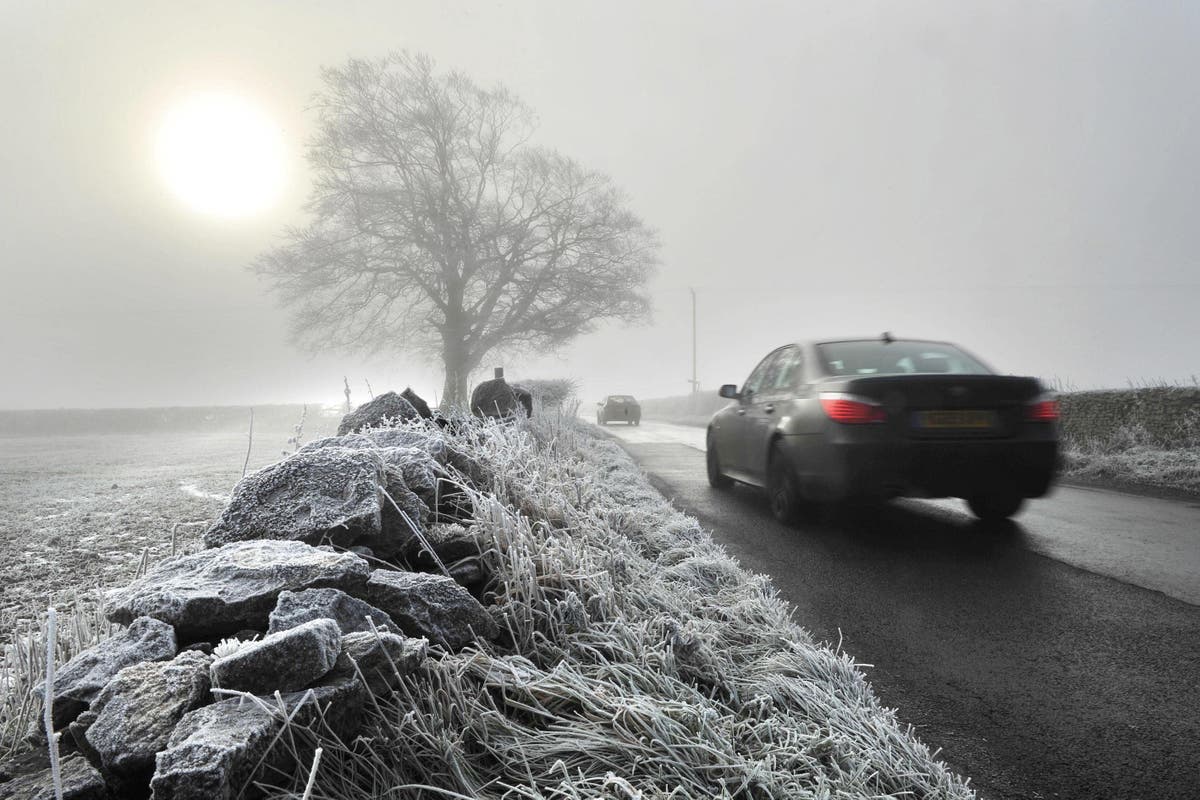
(78, 511)
(195, 491)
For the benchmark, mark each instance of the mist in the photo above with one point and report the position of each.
(1019, 179)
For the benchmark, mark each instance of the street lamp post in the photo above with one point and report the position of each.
(695, 383)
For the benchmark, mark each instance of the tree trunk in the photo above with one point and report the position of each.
(455, 391)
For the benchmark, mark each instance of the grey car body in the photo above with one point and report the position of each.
(619, 408)
(885, 418)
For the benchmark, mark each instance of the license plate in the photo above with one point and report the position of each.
(962, 419)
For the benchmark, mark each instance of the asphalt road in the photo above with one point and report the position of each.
(1057, 657)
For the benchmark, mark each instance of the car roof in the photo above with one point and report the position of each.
(873, 339)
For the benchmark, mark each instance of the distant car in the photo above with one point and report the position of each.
(881, 418)
(619, 408)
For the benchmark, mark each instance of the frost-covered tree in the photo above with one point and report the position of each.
(438, 228)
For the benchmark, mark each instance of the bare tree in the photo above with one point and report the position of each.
(439, 229)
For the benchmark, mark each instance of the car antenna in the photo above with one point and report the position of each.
(887, 338)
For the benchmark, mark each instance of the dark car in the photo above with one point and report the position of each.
(619, 408)
(879, 418)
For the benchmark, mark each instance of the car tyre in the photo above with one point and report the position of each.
(995, 506)
(783, 490)
(716, 478)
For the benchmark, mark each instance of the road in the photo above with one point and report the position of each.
(1055, 657)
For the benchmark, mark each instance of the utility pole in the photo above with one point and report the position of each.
(695, 383)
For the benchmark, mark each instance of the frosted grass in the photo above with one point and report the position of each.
(639, 661)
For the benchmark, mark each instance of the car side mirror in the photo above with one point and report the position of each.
(729, 391)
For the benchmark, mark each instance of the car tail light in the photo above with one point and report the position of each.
(851, 410)
(1043, 409)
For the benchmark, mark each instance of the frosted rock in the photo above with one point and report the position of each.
(385, 409)
(430, 606)
(323, 495)
(381, 658)
(133, 716)
(450, 542)
(350, 613)
(77, 682)
(216, 750)
(80, 781)
(217, 592)
(284, 661)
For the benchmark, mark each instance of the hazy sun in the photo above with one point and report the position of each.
(221, 154)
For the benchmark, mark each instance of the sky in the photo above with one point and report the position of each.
(1022, 178)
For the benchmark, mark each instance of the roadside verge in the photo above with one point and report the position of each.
(632, 657)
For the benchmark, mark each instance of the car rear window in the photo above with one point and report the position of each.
(897, 358)
(621, 398)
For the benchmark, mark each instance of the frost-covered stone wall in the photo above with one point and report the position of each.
(328, 576)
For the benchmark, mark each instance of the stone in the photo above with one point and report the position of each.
(386, 409)
(524, 397)
(454, 504)
(217, 750)
(362, 551)
(326, 495)
(381, 659)
(449, 541)
(81, 781)
(378, 438)
(286, 661)
(417, 402)
(77, 682)
(467, 571)
(444, 451)
(416, 467)
(422, 439)
(410, 486)
(430, 606)
(444, 499)
(496, 399)
(216, 592)
(133, 716)
(406, 516)
(350, 613)
(411, 489)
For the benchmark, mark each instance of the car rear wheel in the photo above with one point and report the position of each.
(995, 506)
(716, 478)
(783, 490)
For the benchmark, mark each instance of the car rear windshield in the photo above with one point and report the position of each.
(621, 398)
(897, 358)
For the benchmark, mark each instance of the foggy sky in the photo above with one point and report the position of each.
(1021, 178)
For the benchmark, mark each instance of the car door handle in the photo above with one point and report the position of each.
(769, 408)
(741, 412)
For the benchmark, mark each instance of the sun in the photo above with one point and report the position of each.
(221, 154)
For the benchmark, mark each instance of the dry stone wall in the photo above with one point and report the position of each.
(327, 576)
